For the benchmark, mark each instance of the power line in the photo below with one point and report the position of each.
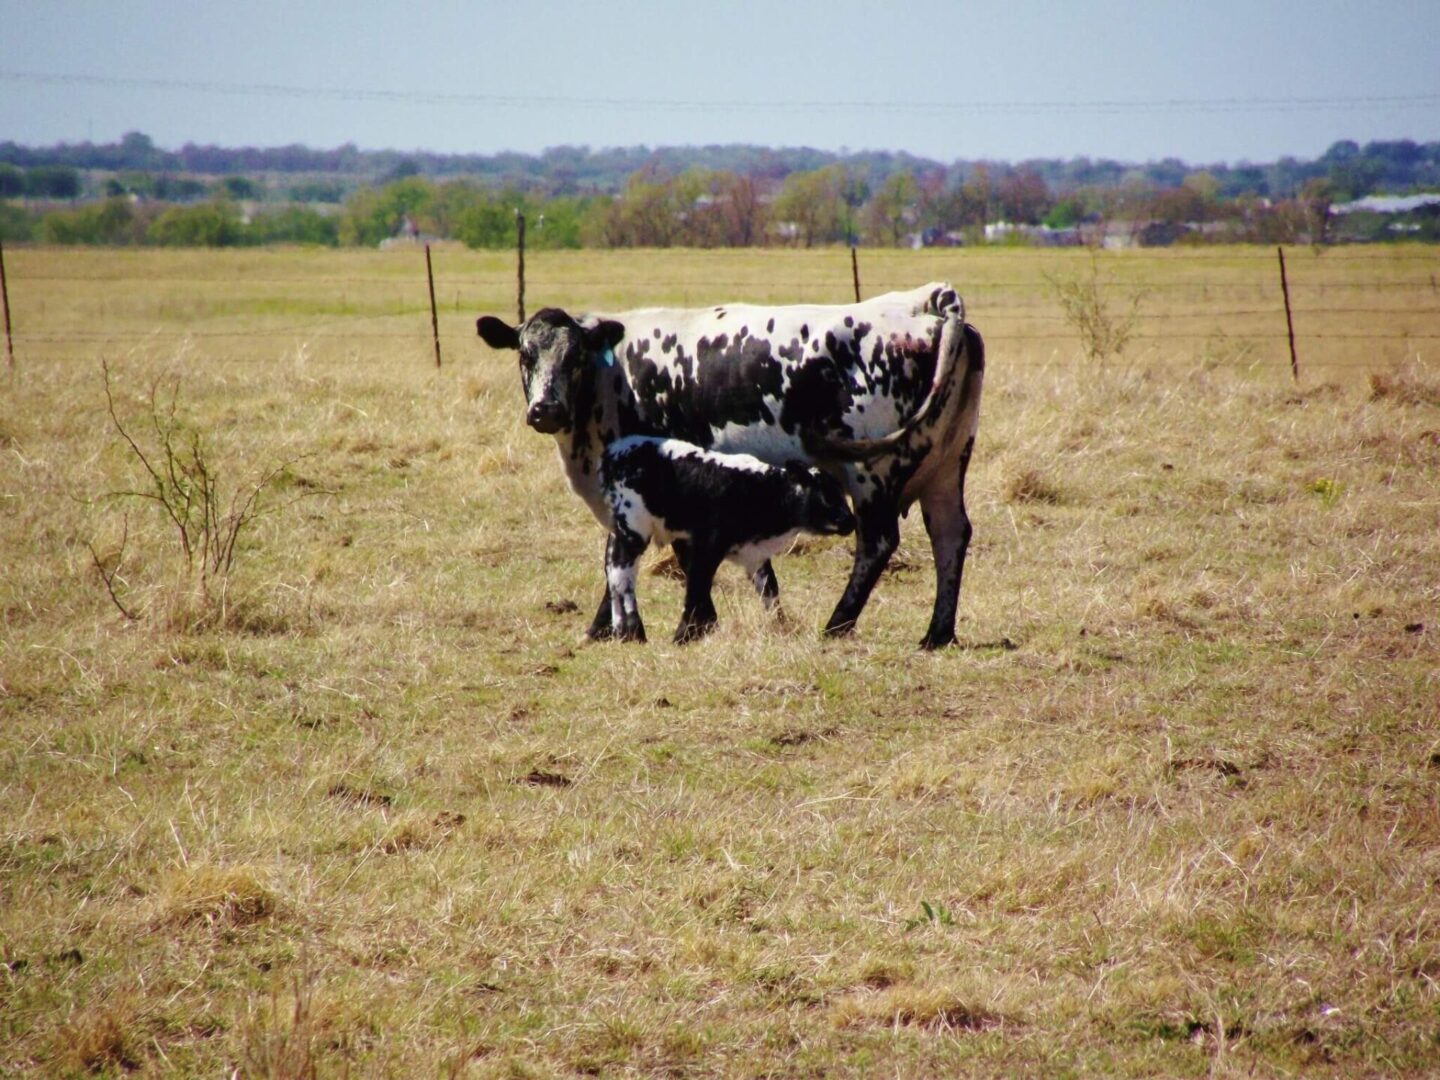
(537, 101)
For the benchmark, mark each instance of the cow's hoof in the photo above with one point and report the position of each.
(840, 630)
(598, 632)
(931, 642)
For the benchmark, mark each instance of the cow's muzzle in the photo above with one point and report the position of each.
(546, 417)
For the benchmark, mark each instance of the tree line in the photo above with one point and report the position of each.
(671, 200)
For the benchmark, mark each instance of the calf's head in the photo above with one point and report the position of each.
(556, 354)
(826, 511)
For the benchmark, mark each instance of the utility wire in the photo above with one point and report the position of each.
(537, 101)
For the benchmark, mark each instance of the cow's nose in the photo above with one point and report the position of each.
(545, 417)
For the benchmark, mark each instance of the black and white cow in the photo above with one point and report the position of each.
(884, 392)
(711, 506)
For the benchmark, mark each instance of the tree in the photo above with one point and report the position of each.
(215, 224)
(12, 182)
(110, 222)
(811, 204)
(371, 216)
(294, 225)
(52, 182)
(892, 212)
(1023, 197)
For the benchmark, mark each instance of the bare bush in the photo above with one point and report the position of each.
(1105, 328)
(207, 514)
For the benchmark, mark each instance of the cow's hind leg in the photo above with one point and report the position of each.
(877, 535)
(762, 576)
(949, 527)
(622, 556)
(699, 617)
(766, 585)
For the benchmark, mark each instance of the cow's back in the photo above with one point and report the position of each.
(759, 379)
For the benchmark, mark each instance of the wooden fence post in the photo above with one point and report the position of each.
(520, 271)
(1289, 320)
(434, 315)
(855, 271)
(5, 303)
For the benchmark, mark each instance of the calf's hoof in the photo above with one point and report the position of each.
(692, 631)
(634, 633)
(932, 641)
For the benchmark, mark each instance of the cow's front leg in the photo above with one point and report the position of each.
(622, 557)
(601, 627)
(699, 617)
(949, 527)
(877, 535)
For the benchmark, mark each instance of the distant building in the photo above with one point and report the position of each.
(1388, 204)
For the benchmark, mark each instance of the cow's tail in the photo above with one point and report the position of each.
(958, 339)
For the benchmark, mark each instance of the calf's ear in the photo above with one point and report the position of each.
(605, 334)
(497, 333)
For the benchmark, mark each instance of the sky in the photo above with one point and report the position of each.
(1005, 80)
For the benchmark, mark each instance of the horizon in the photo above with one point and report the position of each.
(664, 148)
(1115, 80)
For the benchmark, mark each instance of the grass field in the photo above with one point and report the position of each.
(368, 807)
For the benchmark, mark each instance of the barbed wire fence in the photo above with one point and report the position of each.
(1015, 309)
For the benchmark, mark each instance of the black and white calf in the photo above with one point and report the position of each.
(885, 392)
(711, 507)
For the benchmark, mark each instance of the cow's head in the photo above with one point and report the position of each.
(556, 352)
(826, 511)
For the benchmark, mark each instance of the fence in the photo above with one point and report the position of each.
(1348, 307)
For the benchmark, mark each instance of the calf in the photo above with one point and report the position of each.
(711, 507)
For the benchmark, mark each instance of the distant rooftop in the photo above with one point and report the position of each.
(1388, 204)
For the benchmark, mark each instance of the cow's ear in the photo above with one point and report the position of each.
(497, 333)
(605, 334)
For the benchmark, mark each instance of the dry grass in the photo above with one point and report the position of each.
(1169, 809)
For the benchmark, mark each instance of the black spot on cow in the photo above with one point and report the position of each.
(667, 343)
(733, 379)
(849, 320)
(818, 394)
(770, 327)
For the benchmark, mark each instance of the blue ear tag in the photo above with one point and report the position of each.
(607, 358)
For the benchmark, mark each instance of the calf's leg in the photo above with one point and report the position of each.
(622, 555)
(684, 552)
(698, 617)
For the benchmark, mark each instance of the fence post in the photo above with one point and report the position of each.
(5, 304)
(520, 271)
(1289, 319)
(855, 271)
(434, 315)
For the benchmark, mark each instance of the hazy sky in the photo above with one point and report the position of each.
(1223, 80)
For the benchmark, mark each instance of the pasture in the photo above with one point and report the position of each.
(367, 806)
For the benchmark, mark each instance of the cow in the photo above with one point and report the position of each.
(712, 507)
(886, 393)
